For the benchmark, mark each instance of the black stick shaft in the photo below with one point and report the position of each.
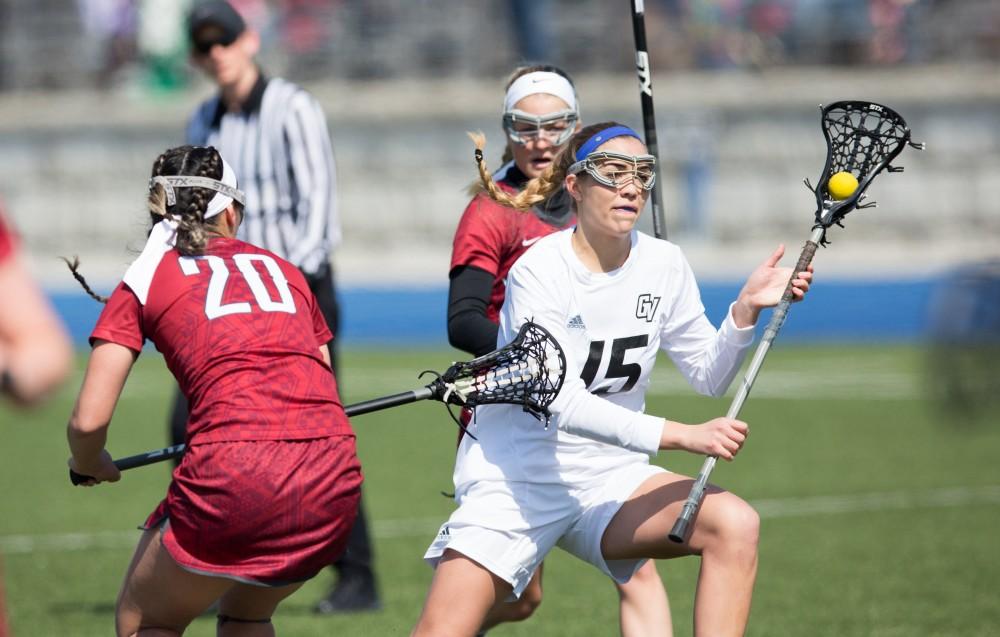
(645, 72)
(681, 528)
(176, 451)
(395, 400)
(143, 459)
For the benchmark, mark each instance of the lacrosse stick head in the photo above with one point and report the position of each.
(862, 138)
(529, 371)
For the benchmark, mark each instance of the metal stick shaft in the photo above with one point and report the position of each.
(377, 404)
(176, 451)
(645, 72)
(679, 532)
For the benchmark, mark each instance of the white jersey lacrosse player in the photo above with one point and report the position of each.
(524, 485)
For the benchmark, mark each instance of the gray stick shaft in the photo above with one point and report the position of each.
(679, 532)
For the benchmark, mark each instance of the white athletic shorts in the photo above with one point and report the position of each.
(509, 527)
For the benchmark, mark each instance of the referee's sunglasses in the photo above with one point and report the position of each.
(203, 46)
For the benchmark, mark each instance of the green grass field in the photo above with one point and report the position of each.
(879, 517)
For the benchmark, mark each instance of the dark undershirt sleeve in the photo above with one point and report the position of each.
(469, 329)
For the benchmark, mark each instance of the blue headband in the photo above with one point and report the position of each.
(600, 137)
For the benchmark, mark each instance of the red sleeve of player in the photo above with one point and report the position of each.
(320, 328)
(8, 241)
(480, 236)
(121, 320)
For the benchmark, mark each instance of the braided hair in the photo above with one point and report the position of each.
(74, 268)
(543, 186)
(189, 205)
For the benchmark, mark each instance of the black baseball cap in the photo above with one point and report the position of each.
(228, 24)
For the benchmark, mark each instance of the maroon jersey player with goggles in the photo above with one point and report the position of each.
(541, 112)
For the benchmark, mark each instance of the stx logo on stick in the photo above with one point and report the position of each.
(642, 66)
(645, 307)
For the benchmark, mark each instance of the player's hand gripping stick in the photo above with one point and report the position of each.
(529, 371)
(680, 530)
(861, 139)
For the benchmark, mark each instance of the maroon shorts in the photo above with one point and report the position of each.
(268, 512)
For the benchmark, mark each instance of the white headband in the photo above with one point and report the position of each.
(163, 236)
(540, 82)
(225, 191)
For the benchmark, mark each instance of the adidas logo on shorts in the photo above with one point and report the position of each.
(576, 323)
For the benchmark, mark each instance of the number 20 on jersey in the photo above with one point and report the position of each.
(214, 307)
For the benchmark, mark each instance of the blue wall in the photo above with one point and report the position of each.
(835, 311)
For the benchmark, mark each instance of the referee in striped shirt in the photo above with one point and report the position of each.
(274, 134)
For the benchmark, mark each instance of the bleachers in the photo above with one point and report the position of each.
(401, 82)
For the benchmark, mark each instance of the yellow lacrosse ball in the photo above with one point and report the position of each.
(842, 185)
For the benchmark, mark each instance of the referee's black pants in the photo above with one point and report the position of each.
(357, 559)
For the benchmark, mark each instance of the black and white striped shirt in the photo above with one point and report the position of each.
(279, 146)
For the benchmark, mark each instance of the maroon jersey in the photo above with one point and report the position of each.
(492, 237)
(8, 241)
(270, 512)
(240, 331)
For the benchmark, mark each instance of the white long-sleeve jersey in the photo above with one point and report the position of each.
(610, 326)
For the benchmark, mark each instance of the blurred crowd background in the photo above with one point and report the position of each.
(92, 90)
(110, 43)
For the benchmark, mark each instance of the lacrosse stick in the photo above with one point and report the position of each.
(861, 139)
(529, 371)
(645, 72)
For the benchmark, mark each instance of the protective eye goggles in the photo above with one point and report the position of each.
(555, 128)
(616, 170)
